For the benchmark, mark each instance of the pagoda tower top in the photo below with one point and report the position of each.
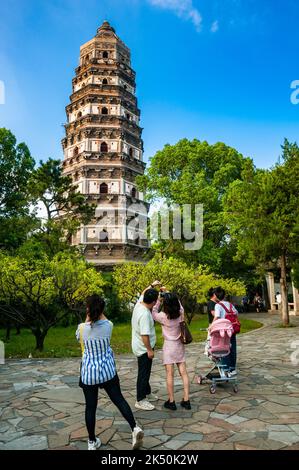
(105, 27)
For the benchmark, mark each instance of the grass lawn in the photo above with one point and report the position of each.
(61, 342)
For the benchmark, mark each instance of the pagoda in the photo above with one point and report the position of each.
(103, 151)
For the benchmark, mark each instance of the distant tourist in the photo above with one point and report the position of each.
(278, 299)
(98, 371)
(170, 316)
(245, 303)
(221, 310)
(143, 344)
(258, 303)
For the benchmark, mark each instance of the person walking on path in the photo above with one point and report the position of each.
(221, 309)
(98, 371)
(170, 317)
(143, 343)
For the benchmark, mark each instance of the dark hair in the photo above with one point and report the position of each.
(220, 293)
(150, 296)
(211, 292)
(95, 305)
(171, 305)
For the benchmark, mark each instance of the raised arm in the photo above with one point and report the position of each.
(158, 316)
(152, 286)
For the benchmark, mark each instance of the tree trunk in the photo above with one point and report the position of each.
(18, 328)
(39, 338)
(284, 291)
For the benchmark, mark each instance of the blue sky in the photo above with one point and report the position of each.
(217, 70)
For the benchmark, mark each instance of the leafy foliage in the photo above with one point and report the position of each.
(38, 293)
(194, 172)
(262, 212)
(191, 284)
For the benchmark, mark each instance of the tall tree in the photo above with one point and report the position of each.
(63, 207)
(16, 166)
(194, 172)
(262, 212)
(39, 293)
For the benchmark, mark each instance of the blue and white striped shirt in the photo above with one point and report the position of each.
(98, 363)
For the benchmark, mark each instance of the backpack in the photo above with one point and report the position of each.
(232, 317)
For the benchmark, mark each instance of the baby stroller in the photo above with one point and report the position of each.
(220, 333)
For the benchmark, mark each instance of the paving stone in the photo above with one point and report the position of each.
(172, 431)
(3, 427)
(28, 443)
(216, 436)
(153, 431)
(286, 437)
(28, 423)
(198, 446)
(58, 440)
(149, 442)
(107, 435)
(174, 444)
(121, 445)
(188, 436)
(235, 419)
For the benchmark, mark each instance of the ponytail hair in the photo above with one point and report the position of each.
(95, 305)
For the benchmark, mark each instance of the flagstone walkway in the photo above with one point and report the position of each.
(42, 407)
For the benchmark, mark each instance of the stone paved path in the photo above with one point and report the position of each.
(41, 406)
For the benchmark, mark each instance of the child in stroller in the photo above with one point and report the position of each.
(217, 347)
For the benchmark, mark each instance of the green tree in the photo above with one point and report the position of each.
(194, 172)
(262, 212)
(64, 207)
(191, 284)
(16, 166)
(40, 293)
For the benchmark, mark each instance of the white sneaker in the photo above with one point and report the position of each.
(137, 437)
(152, 397)
(94, 445)
(144, 405)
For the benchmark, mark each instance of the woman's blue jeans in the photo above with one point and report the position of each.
(230, 361)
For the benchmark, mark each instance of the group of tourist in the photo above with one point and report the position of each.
(98, 368)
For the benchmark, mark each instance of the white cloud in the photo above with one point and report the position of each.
(215, 26)
(182, 8)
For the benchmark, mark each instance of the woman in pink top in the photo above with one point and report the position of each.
(170, 316)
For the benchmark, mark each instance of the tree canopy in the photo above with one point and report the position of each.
(262, 213)
(194, 172)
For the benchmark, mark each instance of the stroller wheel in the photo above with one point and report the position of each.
(199, 379)
(212, 389)
(236, 389)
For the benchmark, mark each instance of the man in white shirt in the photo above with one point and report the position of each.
(143, 343)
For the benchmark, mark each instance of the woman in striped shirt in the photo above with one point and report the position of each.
(98, 370)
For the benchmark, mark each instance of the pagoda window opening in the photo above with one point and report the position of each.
(104, 147)
(104, 188)
(86, 58)
(130, 152)
(104, 110)
(75, 152)
(105, 81)
(105, 55)
(133, 192)
(128, 116)
(79, 115)
(104, 236)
